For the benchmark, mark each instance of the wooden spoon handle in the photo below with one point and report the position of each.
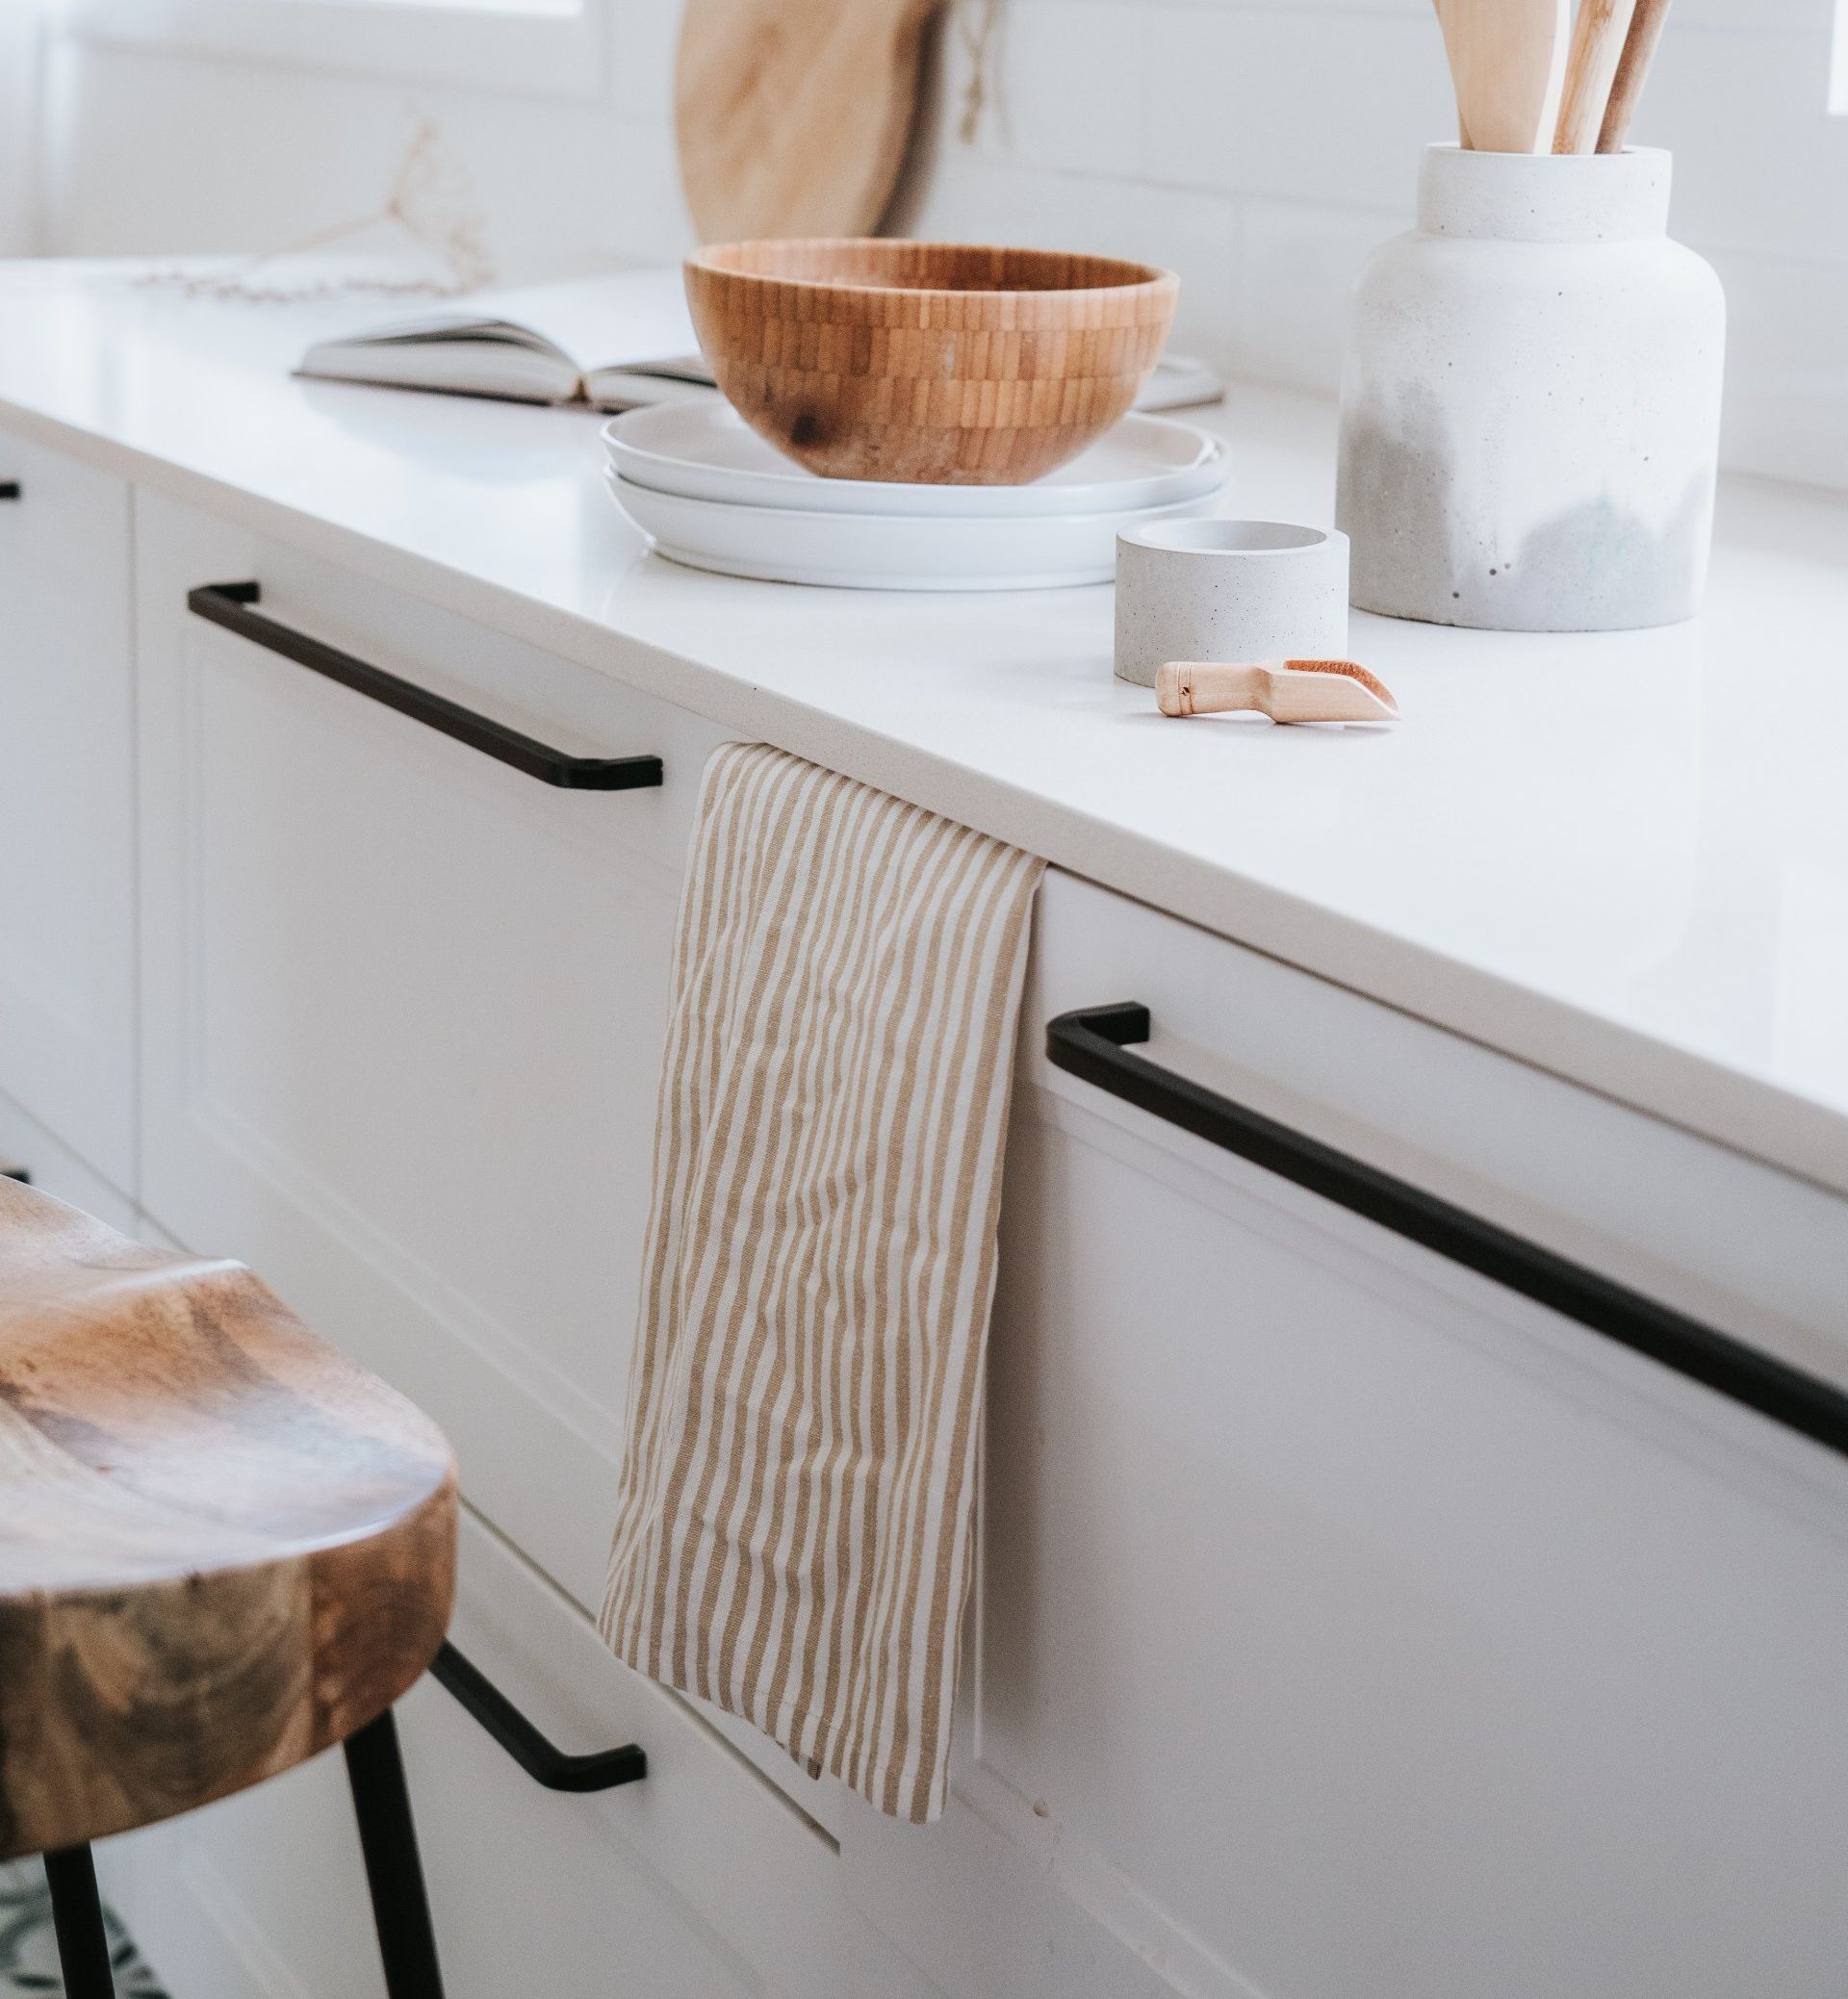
(1598, 38)
(1633, 71)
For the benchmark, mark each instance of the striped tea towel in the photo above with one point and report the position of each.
(793, 1526)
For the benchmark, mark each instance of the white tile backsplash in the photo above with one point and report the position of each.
(1301, 261)
(1786, 391)
(1292, 102)
(1760, 165)
(1083, 113)
(1260, 147)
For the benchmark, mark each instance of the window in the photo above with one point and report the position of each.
(544, 45)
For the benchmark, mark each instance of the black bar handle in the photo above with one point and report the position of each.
(543, 1762)
(8, 489)
(1095, 1043)
(231, 606)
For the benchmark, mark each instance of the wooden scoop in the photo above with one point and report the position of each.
(1287, 690)
(1508, 62)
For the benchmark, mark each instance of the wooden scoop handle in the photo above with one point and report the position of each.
(1200, 689)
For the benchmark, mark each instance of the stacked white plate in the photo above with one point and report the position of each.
(715, 496)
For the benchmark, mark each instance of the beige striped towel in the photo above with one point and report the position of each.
(793, 1524)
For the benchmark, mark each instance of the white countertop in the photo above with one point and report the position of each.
(1623, 859)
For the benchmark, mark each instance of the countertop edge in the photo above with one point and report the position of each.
(1741, 1112)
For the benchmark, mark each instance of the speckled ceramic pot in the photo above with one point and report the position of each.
(1228, 590)
(1531, 405)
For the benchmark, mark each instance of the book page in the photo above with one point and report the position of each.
(619, 320)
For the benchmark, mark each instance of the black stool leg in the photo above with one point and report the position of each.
(77, 1914)
(388, 1838)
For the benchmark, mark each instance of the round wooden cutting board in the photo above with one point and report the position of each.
(793, 115)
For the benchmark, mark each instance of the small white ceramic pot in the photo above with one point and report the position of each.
(1531, 405)
(1228, 590)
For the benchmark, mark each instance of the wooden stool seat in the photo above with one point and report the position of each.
(224, 1548)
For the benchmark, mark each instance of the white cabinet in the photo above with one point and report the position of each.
(698, 1882)
(1344, 1625)
(404, 1008)
(50, 1164)
(67, 807)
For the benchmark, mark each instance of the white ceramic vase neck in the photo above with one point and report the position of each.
(1530, 197)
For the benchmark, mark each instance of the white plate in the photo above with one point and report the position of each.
(878, 551)
(705, 451)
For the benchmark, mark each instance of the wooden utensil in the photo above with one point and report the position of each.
(927, 363)
(1287, 690)
(1633, 71)
(1598, 37)
(1507, 60)
(793, 115)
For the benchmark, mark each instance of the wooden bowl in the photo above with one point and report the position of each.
(927, 363)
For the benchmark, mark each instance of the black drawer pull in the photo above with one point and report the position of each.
(1094, 1043)
(229, 605)
(603, 1770)
(8, 489)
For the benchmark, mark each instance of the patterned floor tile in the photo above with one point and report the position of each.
(29, 1949)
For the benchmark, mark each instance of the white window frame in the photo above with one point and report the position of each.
(1838, 69)
(474, 45)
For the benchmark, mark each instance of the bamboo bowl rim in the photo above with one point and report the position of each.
(1137, 276)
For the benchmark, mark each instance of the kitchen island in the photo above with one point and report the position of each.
(1343, 1623)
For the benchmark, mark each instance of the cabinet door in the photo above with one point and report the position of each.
(404, 1009)
(68, 806)
(696, 1882)
(1344, 1625)
(28, 1152)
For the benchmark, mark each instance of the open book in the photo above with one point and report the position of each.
(611, 342)
(614, 343)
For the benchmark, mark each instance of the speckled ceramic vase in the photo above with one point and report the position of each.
(1531, 405)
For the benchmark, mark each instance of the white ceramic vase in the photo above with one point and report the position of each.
(1530, 403)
